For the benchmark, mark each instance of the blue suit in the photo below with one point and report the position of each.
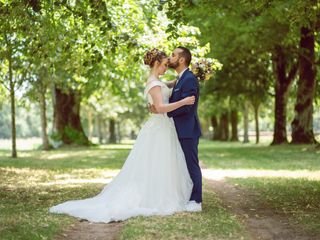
(188, 128)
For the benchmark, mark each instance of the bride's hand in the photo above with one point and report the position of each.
(152, 108)
(189, 100)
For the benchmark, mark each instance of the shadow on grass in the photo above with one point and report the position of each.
(24, 211)
(100, 157)
(296, 198)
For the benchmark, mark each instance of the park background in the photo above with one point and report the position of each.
(71, 105)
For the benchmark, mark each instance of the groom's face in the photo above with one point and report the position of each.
(174, 59)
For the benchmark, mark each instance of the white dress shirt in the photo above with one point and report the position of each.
(180, 75)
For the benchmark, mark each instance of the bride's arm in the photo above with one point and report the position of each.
(170, 84)
(156, 95)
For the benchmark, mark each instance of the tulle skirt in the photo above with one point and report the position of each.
(154, 180)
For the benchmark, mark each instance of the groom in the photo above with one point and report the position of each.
(186, 120)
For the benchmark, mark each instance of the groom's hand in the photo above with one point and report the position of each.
(152, 108)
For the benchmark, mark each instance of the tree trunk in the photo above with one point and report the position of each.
(90, 124)
(282, 87)
(112, 131)
(13, 111)
(105, 130)
(246, 123)
(302, 129)
(234, 126)
(224, 122)
(214, 124)
(67, 122)
(256, 119)
(118, 132)
(100, 130)
(43, 108)
(132, 135)
(280, 121)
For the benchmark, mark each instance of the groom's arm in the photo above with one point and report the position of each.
(191, 89)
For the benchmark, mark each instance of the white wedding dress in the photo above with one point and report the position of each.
(154, 180)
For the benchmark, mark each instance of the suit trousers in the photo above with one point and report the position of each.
(190, 149)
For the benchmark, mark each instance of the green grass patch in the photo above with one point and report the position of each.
(297, 198)
(24, 210)
(100, 157)
(37, 180)
(214, 222)
(251, 156)
(28, 186)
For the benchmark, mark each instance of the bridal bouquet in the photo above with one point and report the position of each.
(203, 69)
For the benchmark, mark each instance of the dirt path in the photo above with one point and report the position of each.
(92, 231)
(261, 222)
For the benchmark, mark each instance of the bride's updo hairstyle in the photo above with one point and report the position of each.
(152, 56)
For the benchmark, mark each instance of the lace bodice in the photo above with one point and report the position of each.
(166, 92)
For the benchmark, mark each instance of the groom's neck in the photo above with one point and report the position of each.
(180, 69)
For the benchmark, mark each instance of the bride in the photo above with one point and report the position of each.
(154, 180)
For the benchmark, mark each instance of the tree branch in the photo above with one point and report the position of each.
(1, 81)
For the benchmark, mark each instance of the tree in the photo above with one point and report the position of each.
(259, 28)
(302, 125)
(284, 76)
(14, 65)
(79, 44)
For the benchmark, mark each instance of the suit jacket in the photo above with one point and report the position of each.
(186, 117)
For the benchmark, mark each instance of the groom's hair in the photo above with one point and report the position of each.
(186, 54)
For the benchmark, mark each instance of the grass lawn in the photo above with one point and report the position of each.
(297, 198)
(262, 156)
(214, 222)
(37, 180)
(66, 159)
